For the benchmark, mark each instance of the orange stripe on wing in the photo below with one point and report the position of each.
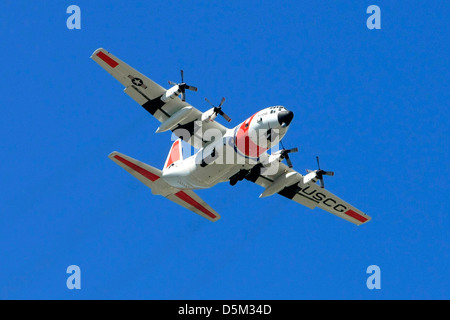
(355, 215)
(107, 60)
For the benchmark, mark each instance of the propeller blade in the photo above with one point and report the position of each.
(319, 173)
(226, 117)
(183, 86)
(288, 160)
(285, 154)
(192, 88)
(223, 114)
(206, 99)
(218, 109)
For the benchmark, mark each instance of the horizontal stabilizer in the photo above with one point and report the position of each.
(151, 177)
(191, 201)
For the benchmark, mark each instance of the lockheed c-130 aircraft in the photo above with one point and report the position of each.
(222, 154)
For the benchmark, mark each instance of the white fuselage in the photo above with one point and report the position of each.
(237, 150)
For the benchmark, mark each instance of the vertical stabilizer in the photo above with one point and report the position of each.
(175, 154)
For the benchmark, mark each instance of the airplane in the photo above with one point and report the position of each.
(221, 154)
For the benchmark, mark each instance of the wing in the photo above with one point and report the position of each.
(310, 195)
(148, 94)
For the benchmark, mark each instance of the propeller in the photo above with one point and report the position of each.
(320, 173)
(285, 155)
(183, 86)
(218, 110)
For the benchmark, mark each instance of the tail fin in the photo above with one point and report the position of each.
(175, 154)
(151, 177)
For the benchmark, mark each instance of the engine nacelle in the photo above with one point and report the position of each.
(170, 94)
(283, 181)
(309, 177)
(209, 115)
(271, 159)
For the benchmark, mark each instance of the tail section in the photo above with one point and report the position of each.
(151, 177)
(191, 201)
(175, 154)
(146, 174)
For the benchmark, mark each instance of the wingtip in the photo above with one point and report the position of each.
(112, 154)
(96, 51)
(214, 220)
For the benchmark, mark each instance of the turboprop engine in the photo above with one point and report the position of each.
(212, 113)
(172, 93)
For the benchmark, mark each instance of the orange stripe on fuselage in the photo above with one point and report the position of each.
(243, 142)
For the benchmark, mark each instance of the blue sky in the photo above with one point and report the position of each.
(372, 103)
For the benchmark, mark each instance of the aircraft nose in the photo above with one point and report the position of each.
(285, 117)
